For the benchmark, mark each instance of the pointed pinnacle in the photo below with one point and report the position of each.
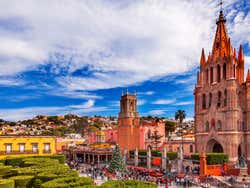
(241, 54)
(203, 58)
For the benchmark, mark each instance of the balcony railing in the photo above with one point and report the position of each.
(46, 151)
(17, 152)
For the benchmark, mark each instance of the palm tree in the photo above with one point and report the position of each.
(180, 115)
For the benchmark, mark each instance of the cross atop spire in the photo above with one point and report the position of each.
(221, 5)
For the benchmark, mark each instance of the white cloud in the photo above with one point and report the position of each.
(141, 102)
(9, 81)
(184, 103)
(121, 45)
(156, 112)
(74, 94)
(190, 79)
(29, 112)
(164, 101)
(146, 93)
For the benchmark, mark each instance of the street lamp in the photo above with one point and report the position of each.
(92, 171)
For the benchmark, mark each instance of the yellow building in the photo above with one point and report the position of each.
(27, 145)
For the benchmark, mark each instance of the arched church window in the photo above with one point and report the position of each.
(210, 99)
(204, 101)
(219, 99)
(207, 126)
(219, 125)
(225, 97)
(218, 73)
(211, 75)
(224, 71)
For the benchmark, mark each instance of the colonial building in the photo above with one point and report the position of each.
(222, 99)
(27, 146)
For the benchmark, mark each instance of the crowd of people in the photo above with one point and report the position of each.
(161, 178)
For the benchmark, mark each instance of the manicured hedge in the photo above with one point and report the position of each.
(172, 155)
(155, 153)
(5, 170)
(128, 184)
(36, 171)
(22, 181)
(212, 158)
(39, 162)
(37, 183)
(67, 182)
(7, 183)
(18, 161)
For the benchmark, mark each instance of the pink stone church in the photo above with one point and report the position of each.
(222, 99)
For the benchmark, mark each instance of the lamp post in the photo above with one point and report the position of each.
(92, 171)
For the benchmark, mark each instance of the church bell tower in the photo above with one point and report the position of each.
(128, 123)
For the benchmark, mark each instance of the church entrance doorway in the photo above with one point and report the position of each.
(217, 148)
(214, 146)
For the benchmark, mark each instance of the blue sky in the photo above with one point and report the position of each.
(59, 57)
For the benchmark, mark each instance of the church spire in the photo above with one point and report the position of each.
(221, 46)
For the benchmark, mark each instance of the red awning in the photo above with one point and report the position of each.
(181, 175)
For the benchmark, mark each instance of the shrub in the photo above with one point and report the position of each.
(216, 158)
(37, 183)
(128, 183)
(155, 153)
(22, 181)
(5, 170)
(7, 183)
(172, 155)
(60, 158)
(18, 161)
(67, 182)
(14, 161)
(39, 162)
(212, 158)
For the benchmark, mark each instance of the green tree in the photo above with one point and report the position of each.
(180, 115)
(81, 125)
(170, 127)
(155, 137)
(117, 164)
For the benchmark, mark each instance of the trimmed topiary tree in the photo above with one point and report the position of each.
(117, 164)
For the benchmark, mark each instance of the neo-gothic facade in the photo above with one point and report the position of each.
(222, 99)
